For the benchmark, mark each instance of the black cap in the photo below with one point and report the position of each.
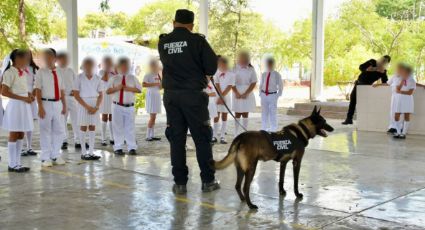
(184, 16)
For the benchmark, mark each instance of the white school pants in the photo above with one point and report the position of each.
(72, 114)
(123, 125)
(269, 112)
(51, 130)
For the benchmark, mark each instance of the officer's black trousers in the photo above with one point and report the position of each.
(353, 103)
(188, 110)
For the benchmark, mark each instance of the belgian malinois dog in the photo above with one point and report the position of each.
(251, 146)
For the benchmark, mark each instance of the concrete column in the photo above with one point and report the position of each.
(71, 12)
(318, 41)
(203, 17)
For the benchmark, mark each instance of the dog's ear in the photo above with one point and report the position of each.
(314, 111)
(318, 112)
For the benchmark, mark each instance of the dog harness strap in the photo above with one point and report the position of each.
(305, 129)
(299, 134)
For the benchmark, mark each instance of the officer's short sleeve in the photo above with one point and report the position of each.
(209, 58)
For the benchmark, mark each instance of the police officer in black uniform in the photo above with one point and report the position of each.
(371, 71)
(188, 61)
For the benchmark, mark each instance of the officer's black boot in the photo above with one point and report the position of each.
(211, 186)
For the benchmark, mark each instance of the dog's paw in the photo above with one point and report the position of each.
(253, 207)
(299, 195)
(282, 192)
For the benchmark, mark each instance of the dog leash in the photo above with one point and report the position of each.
(225, 105)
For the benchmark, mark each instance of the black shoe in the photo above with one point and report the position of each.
(347, 122)
(18, 169)
(119, 152)
(112, 142)
(399, 136)
(222, 141)
(77, 146)
(391, 131)
(88, 157)
(211, 186)
(87, 146)
(214, 140)
(149, 139)
(132, 152)
(156, 138)
(31, 152)
(24, 153)
(179, 189)
(104, 143)
(64, 146)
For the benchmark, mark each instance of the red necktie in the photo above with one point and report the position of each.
(56, 84)
(222, 75)
(27, 71)
(122, 90)
(20, 72)
(267, 84)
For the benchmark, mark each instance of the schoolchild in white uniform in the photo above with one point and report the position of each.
(88, 92)
(68, 77)
(271, 87)
(152, 82)
(123, 88)
(404, 103)
(392, 128)
(17, 117)
(50, 94)
(31, 71)
(212, 104)
(243, 97)
(107, 73)
(224, 81)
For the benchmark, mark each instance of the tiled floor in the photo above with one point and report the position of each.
(351, 180)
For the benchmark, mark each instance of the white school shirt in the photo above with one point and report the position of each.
(245, 75)
(88, 87)
(16, 81)
(152, 78)
(275, 82)
(44, 81)
(395, 81)
(224, 80)
(130, 81)
(68, 77)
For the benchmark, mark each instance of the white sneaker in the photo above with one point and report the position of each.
(45, 164)
(58, 161)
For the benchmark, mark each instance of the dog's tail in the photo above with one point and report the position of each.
(230, 157)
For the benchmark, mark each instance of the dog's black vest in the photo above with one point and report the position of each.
(284, 142)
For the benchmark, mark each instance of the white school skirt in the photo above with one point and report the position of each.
(403, 103)
(84, 118)
(34, 110)
(212, 107)
(153, 101)
(18, 116)
(106, 106)
(222, 108)
(243, 105)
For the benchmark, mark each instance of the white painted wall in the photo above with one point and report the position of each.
(373, 109)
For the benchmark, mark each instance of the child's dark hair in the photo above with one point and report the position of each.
(62, 55)
(222, 59)
(123, 61)
(270, 61)
(50, 51)
(16, 53)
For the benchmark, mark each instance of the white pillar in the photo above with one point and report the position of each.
(71, 11)
(318, 41)
(203, 17)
